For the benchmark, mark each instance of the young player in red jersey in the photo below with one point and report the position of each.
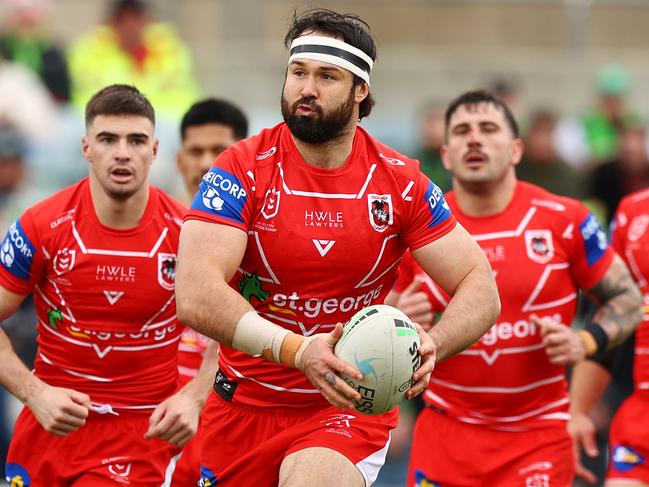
(629, 435)
(307, 222)
(208, 128)
(497, 412)
(100, 258)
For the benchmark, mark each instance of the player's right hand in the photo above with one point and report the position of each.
(316, 359)
(582, 430)
(59, 411)
(415, 304)
(428, 353)
(562, 345)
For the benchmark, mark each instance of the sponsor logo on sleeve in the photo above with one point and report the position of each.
(221, 194)
(437, 205)
(17, 476)
(626, 458)
(17, 252)
(380, 211)
(539, 246)
(594, 239)
(208, 478)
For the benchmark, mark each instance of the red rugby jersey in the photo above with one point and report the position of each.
(631, 240)
(322, 244)
(542, 248)
(104, 297)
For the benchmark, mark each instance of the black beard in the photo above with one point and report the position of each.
(321, 128)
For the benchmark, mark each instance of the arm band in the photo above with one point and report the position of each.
(594, 338)
(259, 337)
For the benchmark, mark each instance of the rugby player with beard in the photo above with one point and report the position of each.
(294, 230)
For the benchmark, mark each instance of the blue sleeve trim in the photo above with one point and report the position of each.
(221, 194)
(595, 242)
(17, 252)
(439, 210)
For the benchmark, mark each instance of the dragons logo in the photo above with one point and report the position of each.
(250, 286)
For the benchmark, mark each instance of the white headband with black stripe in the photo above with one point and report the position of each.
(332, 51)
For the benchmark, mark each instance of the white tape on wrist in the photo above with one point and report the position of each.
(255, 335)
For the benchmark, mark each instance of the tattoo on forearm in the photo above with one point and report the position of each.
(620, 303)
(330, 378)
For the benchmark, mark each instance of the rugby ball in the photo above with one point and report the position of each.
(383, 344)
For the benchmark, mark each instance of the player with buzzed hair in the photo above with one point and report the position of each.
(100, 258)
(290, 233)
(208, 128)
(507, 393)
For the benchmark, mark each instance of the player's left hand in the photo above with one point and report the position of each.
(562, 345)
(428, 352)
(317, 361)
(175, 419)
(582, 430)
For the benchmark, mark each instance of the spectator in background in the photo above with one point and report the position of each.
(594, 138)
(25, 103)
(131, 48)
(432, 139)
(604, 125)
(12, 170)
(25, 40)
(507, 91)
(542, 165)
(627, 173)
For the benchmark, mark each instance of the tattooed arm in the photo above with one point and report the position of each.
(620, 306)
(618, 312)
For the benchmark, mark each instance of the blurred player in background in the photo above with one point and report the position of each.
(208, 128)
(307, 221)
(508, 391)
(629, 436)
(100, 258)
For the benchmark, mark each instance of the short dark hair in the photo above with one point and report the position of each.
(349, 27)
(118, 8)
(475, 97)
(119, 100)
(212, 110)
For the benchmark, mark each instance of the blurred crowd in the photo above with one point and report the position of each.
(598, 156)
